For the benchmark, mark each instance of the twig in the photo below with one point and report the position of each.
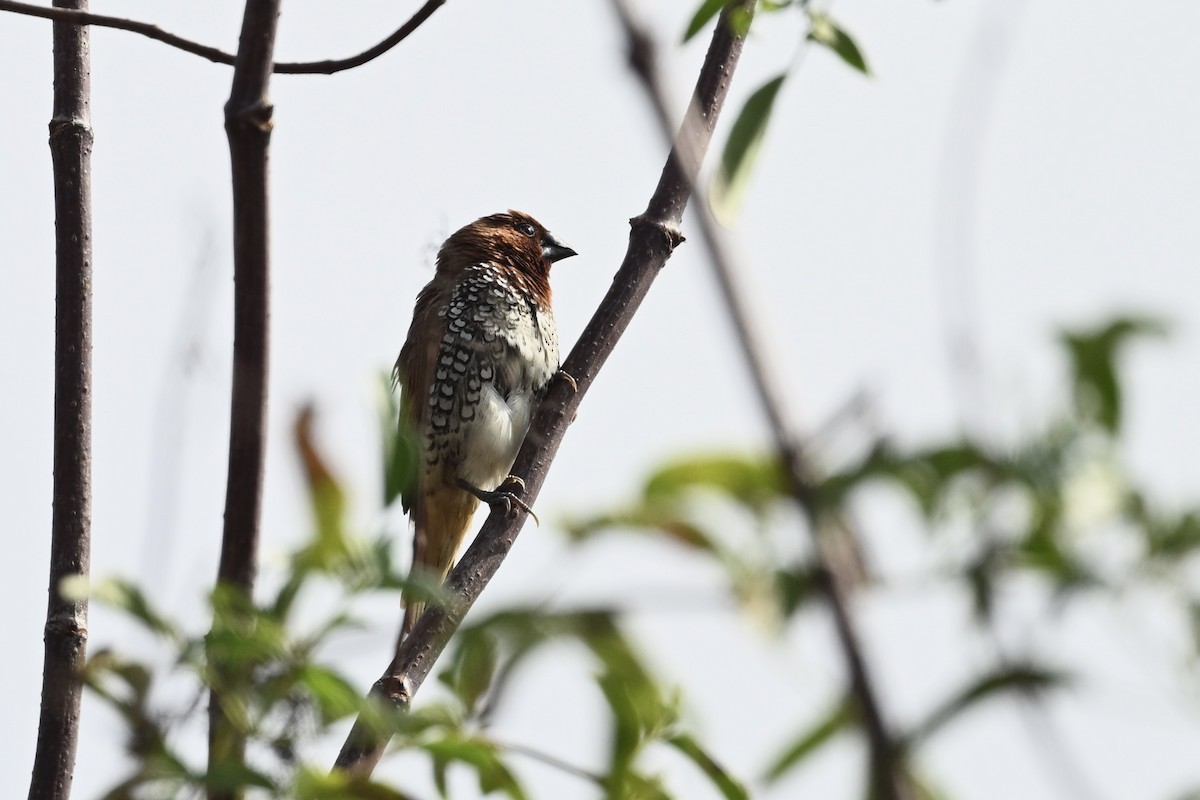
(327, 67)
(549, 760)
(370, 54)
(654, 235)
(960, 166)
(887, 773)
(70, 527)
(248, 126)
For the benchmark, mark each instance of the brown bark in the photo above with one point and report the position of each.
(70, 527)
(248, 126)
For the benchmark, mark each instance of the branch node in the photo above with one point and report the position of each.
(65, 126)
(66, 626)
(671, 233)
(397, 689)
(257, 115)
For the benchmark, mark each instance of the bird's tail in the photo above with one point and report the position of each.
(441, 520)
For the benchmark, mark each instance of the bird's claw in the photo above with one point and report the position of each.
(566, 376)
(504, 495)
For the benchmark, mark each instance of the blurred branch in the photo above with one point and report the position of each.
(654, 235)
(550, 761)
(248, 126)
(887, 771)
(70, 527)
(960, 166)
(328, 67)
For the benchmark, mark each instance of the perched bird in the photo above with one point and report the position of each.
(480, 352)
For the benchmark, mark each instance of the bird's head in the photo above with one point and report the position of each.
(514, 243)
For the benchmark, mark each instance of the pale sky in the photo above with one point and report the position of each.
(1062, 136)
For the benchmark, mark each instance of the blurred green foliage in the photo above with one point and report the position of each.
(283, 694)
(283, 691)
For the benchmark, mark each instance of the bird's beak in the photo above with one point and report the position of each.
(554, 250)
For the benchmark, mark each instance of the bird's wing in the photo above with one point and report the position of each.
(414, 371)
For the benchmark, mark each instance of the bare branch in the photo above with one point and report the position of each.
(70, 527)
(370, 54)
(654, 235)
(248, 126)
(328, 67)
(887, 773)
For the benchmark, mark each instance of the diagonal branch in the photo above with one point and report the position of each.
(327, 67)
(70, 527)
(654, 235)
(887, 772)
(248, 126)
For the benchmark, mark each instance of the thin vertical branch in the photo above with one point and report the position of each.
(972, 105)
(654, 236)
(887, 773)
(248, 126)
(70, 527)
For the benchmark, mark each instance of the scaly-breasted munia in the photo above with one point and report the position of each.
(480, 352)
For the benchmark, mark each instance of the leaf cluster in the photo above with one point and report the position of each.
(270, 665)
(1031, 510)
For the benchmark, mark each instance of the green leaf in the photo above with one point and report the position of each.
(632, 785)
(232, 776)
(334, 696)
(1173, 538)
(741, 151)
(1093, 355)
(640, 710)
(729, 788)
(517, 633)
(472, 668)
(492, 772)
(130, 599)
(704, 14)
(656, 518)
(241, 637)
(837, 719)
(825, 31)
(753, 482)
(1026, 678)
(794, 587)
(1042, 551)
(927, 475)
(313, 784)
(980, 573)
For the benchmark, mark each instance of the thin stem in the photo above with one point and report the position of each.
(370, 54)
(887, 772)
(654, 235)
(248, 126)
(549, 760)
(327, 67)
(70, 526)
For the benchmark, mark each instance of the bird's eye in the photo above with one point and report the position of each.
(527, 229)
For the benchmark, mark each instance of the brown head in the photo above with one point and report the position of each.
(514, 243)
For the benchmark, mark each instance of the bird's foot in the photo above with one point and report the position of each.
(566, 376)
(505, 496)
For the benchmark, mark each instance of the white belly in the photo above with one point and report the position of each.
(494, 437)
